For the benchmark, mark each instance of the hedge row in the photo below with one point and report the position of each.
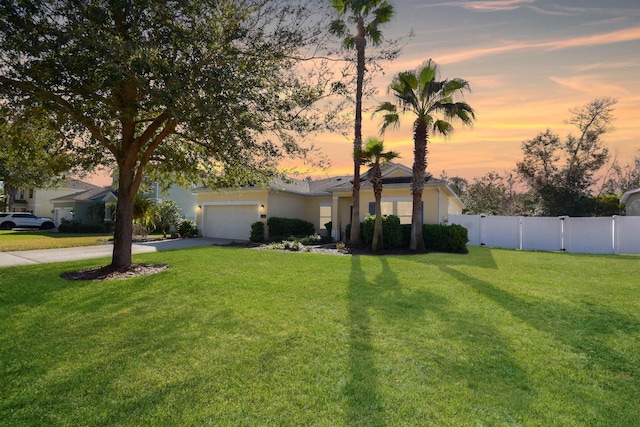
(76, 227)
(283, 228)
(437, 238)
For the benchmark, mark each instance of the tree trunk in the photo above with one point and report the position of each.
(360, 43)
(417, 240)
(10, 192)
(123, 234)
(377, 244)
(417, 186)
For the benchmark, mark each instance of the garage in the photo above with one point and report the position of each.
(225, 221)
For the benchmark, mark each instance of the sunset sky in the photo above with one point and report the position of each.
(528, 62)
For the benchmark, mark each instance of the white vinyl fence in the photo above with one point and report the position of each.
(604, 235)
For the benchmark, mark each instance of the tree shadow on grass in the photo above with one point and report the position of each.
(477, 257)
(364, 406)
(587, 329)
(480, 357)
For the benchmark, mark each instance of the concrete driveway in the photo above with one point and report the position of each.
(43, 256)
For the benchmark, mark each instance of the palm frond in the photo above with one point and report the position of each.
(384, 13)
(338, 28)
(390, 118)
(373, 33)
(427, 74)
(339, 5)
(442, 127)
(456, 85)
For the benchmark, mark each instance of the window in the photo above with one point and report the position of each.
(400, 208)
(325, 215)
(386, 208)
(403, 210)
(31, 193)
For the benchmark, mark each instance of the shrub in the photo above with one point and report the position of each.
(92, 228)
(391, 231)
(292, 245)
(257, 232)
(405, 232)
(310, 240)
(67, 226)
(329, 227)
(187, 228)
(445, 238)
(167, 213)
(284, 227)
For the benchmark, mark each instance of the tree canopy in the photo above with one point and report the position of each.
(562, 173)
(35, 151)
(208, 91)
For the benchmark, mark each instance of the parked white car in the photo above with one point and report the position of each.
(9, 220)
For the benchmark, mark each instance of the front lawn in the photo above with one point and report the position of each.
(231, 336)
(12, 240)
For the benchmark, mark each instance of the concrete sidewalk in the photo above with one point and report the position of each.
(43, 256)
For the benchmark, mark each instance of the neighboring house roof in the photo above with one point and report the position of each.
(628, 194)
(94, 194)
(76, 184)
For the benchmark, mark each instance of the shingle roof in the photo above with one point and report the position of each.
(96, 193)
(76, 184)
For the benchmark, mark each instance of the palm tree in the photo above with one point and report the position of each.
(375, 156)
(367, 15)
(419, 93)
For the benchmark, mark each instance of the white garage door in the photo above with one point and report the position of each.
(230, 221)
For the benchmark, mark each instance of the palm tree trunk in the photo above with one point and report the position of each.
(360, 43)
(417, 186)
(377, 244)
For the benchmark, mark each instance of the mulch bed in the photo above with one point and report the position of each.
(111, 273)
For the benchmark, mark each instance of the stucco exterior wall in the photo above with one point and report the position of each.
(41, 201)
(287, 205)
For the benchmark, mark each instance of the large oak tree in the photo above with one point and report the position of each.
(208, 90)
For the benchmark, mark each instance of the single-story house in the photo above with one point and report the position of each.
(631, 201)
(85, 207)
(229, 213)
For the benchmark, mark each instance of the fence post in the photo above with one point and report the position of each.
(614, 235)
(562, 246)
(481, 227)
(520, 237)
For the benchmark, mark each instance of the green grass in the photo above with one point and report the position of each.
(27, 240)
(230, 337)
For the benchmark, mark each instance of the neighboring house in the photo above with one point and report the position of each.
(186, 200)
(86, 207)
(631, 200)
(38, 200)
(230, 213)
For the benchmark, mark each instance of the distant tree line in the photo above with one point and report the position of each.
(575, 176)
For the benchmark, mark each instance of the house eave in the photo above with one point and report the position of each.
(628, 194)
